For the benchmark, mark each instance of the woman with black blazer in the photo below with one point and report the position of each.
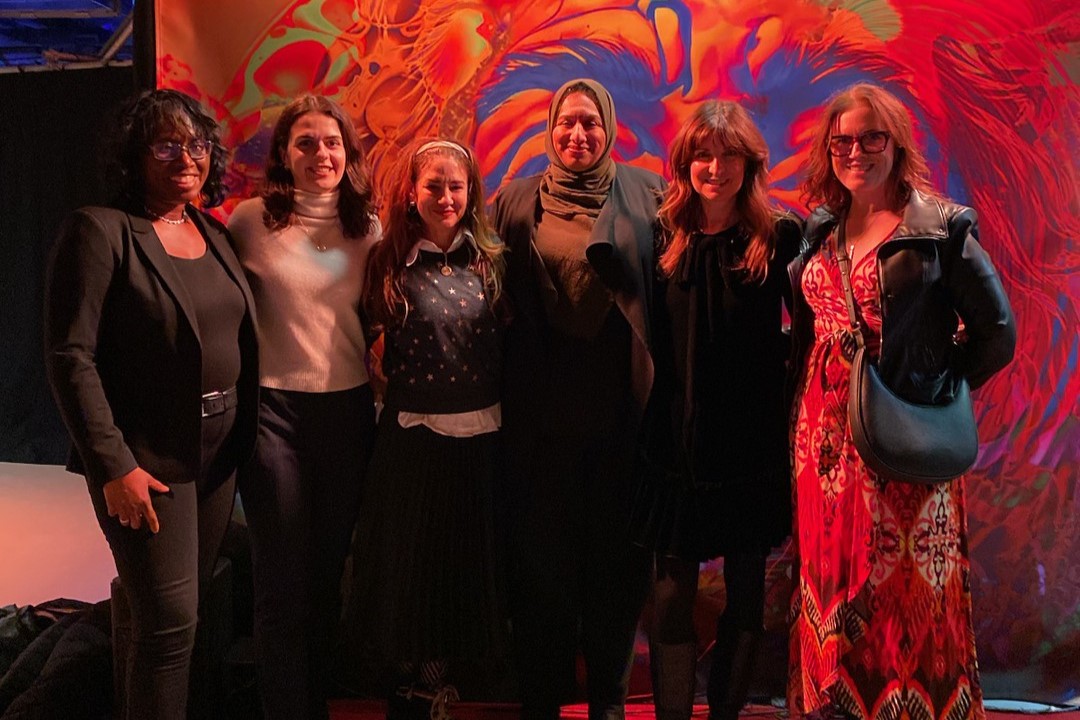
(151, 355)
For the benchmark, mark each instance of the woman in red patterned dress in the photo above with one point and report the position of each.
(881, 618)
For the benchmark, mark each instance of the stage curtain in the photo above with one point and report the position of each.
(50, 123)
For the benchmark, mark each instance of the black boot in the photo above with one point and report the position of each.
(417, 702)
(400, 707)
(673, 679)
(732, 666)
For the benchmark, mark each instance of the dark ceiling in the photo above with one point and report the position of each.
(64, 34)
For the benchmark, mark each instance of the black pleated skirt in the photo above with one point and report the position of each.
(425, 581)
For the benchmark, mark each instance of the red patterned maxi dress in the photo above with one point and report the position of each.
(881, 618)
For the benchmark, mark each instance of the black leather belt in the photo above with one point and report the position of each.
(217, 402)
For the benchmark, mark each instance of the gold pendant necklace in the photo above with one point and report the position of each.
(320, 246)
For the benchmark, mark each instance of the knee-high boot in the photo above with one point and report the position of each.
(673, 679)
(732, 667)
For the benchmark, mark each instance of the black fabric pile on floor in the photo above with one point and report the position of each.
(56, 661)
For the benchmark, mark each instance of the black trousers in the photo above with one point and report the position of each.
(574, 574)
(162, 575)
(301, 497)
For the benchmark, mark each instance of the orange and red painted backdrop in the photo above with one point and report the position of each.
(992, 86)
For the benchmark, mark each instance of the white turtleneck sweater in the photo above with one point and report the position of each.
(306, 279)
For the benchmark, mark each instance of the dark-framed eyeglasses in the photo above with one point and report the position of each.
(870, 142)
(167, 150)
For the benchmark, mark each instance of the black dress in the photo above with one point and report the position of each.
(718, 480)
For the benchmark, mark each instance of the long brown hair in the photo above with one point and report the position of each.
(909, 172)
(355, 206)
(384, 296)
(681, 212)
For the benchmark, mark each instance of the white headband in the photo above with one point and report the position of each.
(444, 144)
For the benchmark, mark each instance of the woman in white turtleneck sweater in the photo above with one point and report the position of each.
(303, 244)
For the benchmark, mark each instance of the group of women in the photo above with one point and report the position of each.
(585, 395)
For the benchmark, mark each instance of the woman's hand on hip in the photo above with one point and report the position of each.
(128, 498)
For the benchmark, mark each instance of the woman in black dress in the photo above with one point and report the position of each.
(720, 439)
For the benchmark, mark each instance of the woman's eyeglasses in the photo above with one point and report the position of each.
(871, 143)
(167, 151)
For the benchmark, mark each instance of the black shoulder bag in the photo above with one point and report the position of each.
(899, 440)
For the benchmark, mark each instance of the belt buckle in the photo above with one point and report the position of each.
(213, 403)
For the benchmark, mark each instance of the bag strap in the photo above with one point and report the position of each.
(845, 278)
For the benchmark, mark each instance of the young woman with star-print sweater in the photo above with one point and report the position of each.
(424, 596)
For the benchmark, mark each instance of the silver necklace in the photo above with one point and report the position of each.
(167, 220)
(320, 246)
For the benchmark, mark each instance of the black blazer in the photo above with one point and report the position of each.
(122, 349)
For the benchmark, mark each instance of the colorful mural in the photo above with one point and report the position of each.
(992, 85)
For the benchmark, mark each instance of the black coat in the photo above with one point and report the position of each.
(622, 251)
(932, 274)
(122, 348)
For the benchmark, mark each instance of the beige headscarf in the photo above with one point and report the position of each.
(565, 192)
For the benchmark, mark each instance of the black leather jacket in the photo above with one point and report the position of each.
(933, 273)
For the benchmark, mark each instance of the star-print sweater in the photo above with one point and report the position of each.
(446, 356)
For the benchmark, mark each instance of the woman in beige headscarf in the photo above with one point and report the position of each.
(579, 370)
